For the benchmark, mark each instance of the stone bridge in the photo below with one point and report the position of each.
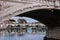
(46, 11)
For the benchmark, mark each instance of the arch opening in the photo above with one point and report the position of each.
(49, 17)
(30, 22)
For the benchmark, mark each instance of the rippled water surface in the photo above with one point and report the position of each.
(24, 37)
(27, 36)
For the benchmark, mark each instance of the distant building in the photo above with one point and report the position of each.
(15, 21)
(9, 21)
(21, 21)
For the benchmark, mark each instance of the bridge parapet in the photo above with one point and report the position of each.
(55, 3)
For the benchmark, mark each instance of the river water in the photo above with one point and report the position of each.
(23, 37)
(26, 36)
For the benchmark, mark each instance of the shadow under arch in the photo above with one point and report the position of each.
(49, 17)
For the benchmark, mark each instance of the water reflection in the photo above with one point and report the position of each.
(22, 33)
(25, 37)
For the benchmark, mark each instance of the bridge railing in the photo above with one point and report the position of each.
(53, 3)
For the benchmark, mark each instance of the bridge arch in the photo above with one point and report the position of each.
(18, 9)
(49, 12)
(48, 15)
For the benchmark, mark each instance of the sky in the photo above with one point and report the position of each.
(29, 20)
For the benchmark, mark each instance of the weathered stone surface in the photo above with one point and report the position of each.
(53, 33)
